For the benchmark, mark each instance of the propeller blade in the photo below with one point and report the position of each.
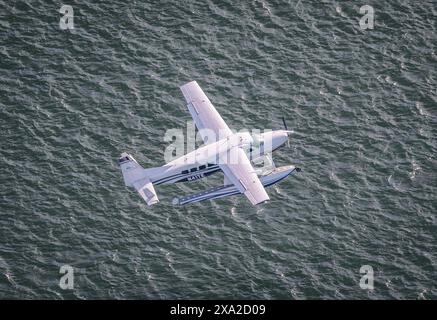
(286, 129)
(285, 124)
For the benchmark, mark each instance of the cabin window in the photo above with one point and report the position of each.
(184, 171)
(193, 169)
(202, 167)
(210, 165)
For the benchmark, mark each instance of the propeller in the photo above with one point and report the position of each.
(288, 141)
(285, 124)
(286, 130)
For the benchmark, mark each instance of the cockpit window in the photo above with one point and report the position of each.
(193, 169)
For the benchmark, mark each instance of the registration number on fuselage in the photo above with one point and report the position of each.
(195, 177)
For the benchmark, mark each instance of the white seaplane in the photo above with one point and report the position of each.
(231, 153)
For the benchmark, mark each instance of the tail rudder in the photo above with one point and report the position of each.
(135, 176)
(130, 169)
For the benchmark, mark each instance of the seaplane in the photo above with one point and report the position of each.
(224, 150)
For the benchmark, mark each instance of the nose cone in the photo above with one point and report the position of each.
(279, 138)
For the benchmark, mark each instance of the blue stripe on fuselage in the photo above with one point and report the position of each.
(207, 170)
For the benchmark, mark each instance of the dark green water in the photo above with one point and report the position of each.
(362, 105)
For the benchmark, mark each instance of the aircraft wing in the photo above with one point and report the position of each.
(239, 171)
(204, 114)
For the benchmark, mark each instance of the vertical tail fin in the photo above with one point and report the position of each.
(135, 176)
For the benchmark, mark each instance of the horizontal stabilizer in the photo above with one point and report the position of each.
(146, 190)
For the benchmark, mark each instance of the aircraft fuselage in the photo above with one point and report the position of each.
(206, 160)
